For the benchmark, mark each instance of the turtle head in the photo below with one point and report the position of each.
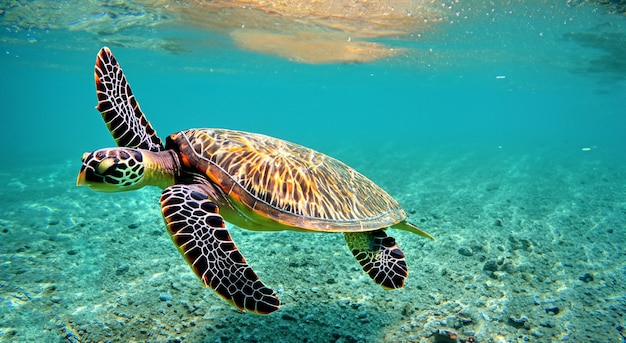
(112, 170)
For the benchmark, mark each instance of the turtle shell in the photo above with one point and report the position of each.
(289, 184)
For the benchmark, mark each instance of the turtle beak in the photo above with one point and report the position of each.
(81, 180)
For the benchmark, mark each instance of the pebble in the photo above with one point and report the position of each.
(165, 297)
(344, 302)
(133, 226)
(315, 289)
(519, 323)
(536, 333)
(122, 268)
(499, 339)
(465, 251)
(586, 277)
(552, 310)
(490, 266)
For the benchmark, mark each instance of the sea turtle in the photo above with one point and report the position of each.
(251, 180)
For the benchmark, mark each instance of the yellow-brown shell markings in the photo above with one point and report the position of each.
(287, 176)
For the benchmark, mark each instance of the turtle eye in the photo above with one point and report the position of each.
(105, 165)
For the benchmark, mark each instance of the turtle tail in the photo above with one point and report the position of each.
(410, 227)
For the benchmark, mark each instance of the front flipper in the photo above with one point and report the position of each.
(120, 111)
(380, 257)
(201, 236)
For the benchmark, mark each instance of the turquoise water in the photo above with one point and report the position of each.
(500, 129)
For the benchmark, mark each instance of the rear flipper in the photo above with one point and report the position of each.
(199, 232)
(380, 257)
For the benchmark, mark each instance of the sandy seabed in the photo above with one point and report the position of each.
(529, 247)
